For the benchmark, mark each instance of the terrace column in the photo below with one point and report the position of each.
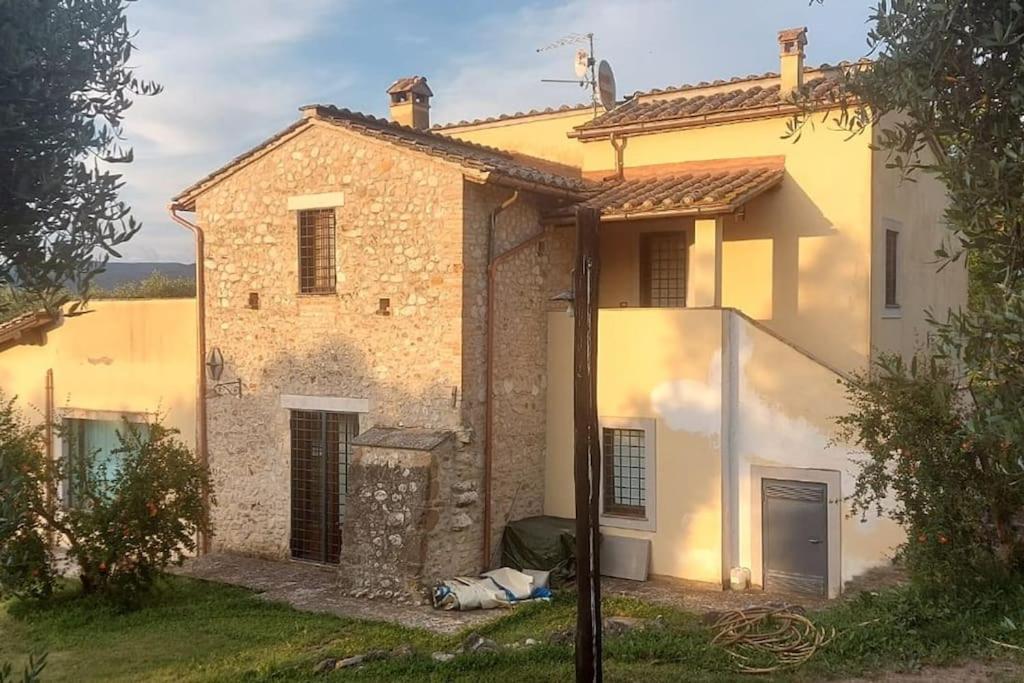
(706, 263)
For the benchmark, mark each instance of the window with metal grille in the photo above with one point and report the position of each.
(625, 472)
(316, 251)
(663, 269)
(892, 241)
(321, 452)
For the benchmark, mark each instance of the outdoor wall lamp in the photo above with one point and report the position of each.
(215, 369)
(215, 364)
(569, 298)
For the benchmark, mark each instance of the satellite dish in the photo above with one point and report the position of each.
(582, 63)
(606, 85)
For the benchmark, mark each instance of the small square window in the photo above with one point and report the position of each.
(316, 252)
(627, 479)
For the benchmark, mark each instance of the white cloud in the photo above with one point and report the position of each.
(229, 82)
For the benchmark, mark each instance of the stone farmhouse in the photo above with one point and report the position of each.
(389, 359)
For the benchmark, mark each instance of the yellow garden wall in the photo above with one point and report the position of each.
(134, 356)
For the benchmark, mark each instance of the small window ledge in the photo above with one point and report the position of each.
(892, 312)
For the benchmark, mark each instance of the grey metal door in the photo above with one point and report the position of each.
(794, 519)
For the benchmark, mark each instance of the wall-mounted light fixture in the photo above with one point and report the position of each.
(215, 369)
(215, 364)
(569, 298)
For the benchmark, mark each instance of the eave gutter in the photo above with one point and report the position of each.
(201, 434)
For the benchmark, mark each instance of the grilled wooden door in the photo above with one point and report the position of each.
(321, 448)
(795, 536)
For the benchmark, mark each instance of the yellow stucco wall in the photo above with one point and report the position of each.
(697, 373)
(915, 209)
(798, 260)
(641, 352)
(543, 136)
(134, 356)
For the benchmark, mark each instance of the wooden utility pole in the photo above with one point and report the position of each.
(587, 449)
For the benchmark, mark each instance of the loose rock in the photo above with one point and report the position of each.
(443, 657)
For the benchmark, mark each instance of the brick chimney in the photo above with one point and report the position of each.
(791, 51)
(410, 102)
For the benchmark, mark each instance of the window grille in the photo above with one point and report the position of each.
(316, 252)
(892, 241)
(663, 269)
(625, 472)
(321, 445)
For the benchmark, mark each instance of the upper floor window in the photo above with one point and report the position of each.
(663, 269)
(892, 242)
(316, 252)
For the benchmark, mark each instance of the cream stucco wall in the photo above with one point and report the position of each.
(131, 356)
(727, 397)
(914, 207)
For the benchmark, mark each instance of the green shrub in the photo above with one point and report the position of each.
(936, 467)
(122, 528)
(155, 286)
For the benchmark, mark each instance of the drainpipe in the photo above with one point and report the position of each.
(489, 372)
(204, 539)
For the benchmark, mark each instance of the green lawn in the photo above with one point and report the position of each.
(196, 631)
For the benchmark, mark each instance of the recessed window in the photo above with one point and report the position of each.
(663, 269)
(627, 473)
(316, 252)
(892, 243)
(94, 455)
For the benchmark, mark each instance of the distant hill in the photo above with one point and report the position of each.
(119, 273)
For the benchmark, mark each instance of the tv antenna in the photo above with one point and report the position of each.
(590, 73)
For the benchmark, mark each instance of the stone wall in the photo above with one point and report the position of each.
(410, 229)
(399, 235)
(524, 284)
(394, 509)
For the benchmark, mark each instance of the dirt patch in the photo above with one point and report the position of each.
(700, 597)
(315, 588)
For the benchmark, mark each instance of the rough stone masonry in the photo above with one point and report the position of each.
(412, 230)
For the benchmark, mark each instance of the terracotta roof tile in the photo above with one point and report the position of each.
(416, 84)
(702, 190)
(516, 115)
(480, 157)
(14, 329)
(637, 111)
(517, 167)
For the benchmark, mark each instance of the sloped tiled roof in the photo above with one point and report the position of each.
(700, 190)
(516, 115)
(513, 168)
(14, 329)
(470, 154)
(637, 111)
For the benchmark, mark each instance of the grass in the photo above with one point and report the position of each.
(195, 631)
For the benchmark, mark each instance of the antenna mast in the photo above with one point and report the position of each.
(589, 76)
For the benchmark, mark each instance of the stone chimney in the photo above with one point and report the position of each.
(791, 51)
(410, 102)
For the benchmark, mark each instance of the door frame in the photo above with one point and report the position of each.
(832, 480)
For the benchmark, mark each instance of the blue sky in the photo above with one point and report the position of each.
(235, 71)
